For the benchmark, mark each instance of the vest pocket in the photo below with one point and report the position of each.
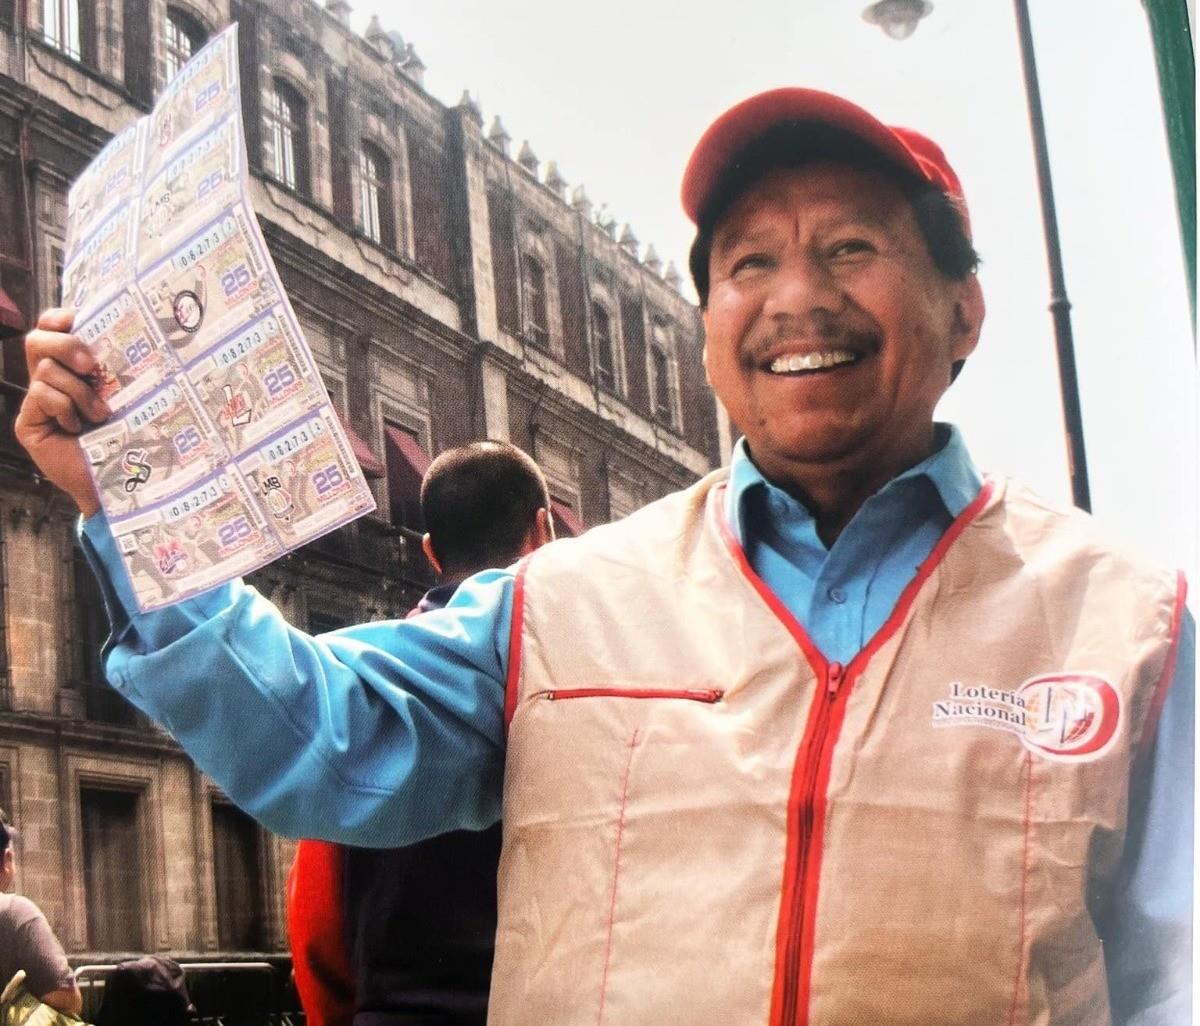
(709, 696)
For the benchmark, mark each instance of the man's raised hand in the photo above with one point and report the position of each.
(61, 403)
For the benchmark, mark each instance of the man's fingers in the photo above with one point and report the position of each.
(81, 393)
(46, 404)
(57, 318)
(69, 350)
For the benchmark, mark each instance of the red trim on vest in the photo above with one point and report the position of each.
(821, 733)
(1150, 726)
(811, 652)
(1021, 909)
(924, 572)
(708, 695)
(515, 629)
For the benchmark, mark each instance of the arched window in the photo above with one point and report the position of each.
(375, 195)
(664, 388)
(183, 35)
(606, 361)
(286, 128)
(537, 318)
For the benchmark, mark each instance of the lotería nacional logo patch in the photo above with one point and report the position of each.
(1067, 716)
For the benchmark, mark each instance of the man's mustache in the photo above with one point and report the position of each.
(829, 332)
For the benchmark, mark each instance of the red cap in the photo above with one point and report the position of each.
(739, 126)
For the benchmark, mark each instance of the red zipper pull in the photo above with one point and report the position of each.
(833, 677)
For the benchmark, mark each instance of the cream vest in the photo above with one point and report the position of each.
(705, 824)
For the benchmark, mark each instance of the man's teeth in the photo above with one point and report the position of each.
(811, 361)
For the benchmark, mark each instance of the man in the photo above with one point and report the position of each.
(27, 942)
(846, 734)
(414, 943)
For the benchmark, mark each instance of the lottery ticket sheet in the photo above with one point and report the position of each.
(223, 451)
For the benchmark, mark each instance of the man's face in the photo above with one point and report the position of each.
(830, 334)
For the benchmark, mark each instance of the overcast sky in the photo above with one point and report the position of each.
(618, 93)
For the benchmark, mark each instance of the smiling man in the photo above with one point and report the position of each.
(845, 734)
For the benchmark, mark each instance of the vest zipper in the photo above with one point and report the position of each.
(709, 695)
(796, 955)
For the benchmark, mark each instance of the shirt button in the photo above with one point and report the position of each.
(836, 595)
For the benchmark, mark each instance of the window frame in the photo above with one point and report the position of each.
(662, 344)
(64, 28)
(190, 28)
(606, 342)
(536, 333)
(375, 194)
(286, 116)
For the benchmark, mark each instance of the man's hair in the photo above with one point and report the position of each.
(795, 144)
(7, 832)
(479, 502)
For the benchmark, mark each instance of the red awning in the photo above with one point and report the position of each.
(416, 457)
(566, 520)
(10, 314)
(372, 466)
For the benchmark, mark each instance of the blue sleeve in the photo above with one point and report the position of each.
(377, 735)
(1148, 947)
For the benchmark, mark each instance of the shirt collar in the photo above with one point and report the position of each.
(950, 470)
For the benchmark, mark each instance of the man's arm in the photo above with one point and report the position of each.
(378, 735)
(1148, 937)
(48, 977)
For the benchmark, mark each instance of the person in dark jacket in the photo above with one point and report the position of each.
(396, 937)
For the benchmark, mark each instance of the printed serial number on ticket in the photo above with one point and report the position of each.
(306, 479)
(160, 445)
(192, 541)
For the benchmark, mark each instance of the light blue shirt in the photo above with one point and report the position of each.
(386, 733)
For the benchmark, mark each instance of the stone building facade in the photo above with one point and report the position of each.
(450, 291)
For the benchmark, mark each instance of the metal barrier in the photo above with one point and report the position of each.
(224, 993)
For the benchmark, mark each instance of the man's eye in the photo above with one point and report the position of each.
(750, 262)
(851, 248)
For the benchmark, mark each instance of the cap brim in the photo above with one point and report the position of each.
(739, 126)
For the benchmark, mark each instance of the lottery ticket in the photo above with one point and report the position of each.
(223, 451)
(181, 196)
(161, 445)
(307, 480)
(132, 360)
(103, 262)
(204, 91)
(110, 180)
(195, 540)
(213, 283)
(258, 380)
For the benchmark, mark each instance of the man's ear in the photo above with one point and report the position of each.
(427, 548)
(542, 531)
(704, 351)
(969, 310)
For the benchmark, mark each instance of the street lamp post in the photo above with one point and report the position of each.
(899, 18)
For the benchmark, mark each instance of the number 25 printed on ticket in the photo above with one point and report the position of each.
(223, 451)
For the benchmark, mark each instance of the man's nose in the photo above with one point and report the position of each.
(803, 286)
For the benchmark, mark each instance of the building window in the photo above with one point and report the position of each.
(112, 869)
(537, 318)
(286, 125)
(375, 195)
(606, 364)
(662, 384)
(237, 871)
(407, 463)
(182, 37)
(62, 26)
